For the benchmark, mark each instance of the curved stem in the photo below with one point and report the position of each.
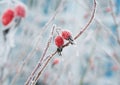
(77, 36)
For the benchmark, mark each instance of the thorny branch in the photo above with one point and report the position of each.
(60, 7)
(41, 59)
(86, 26)
(77, 36)
(108, 30)
(102, 24)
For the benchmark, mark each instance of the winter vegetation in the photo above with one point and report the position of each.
(59, 42)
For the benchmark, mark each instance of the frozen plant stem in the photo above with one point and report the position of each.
(44, 66)
(101, 23)
(58, 10)
(41, 59)
(50, 56)
(86, 26)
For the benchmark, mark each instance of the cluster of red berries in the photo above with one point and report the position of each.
(59, 40)
(9, 14)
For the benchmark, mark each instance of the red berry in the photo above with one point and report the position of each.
(20, 11)
(7, 17)
(66, 34)
(59, 41)
(55, 61)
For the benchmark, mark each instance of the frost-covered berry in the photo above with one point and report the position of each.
(7, 17)
(20, 11)
(59, 43)
(67, 36)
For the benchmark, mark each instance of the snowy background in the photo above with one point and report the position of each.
(93, 60)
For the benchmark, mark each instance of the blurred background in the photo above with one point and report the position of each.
(94, 59)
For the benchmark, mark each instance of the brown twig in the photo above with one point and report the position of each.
(49, 58)
(41, 59)
(86, 26)
(34, 49)
(102, 24)
(77, 36)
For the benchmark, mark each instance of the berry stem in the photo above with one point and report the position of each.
(41, 59)
(52, 55)
(86, 26)
(29, 56)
